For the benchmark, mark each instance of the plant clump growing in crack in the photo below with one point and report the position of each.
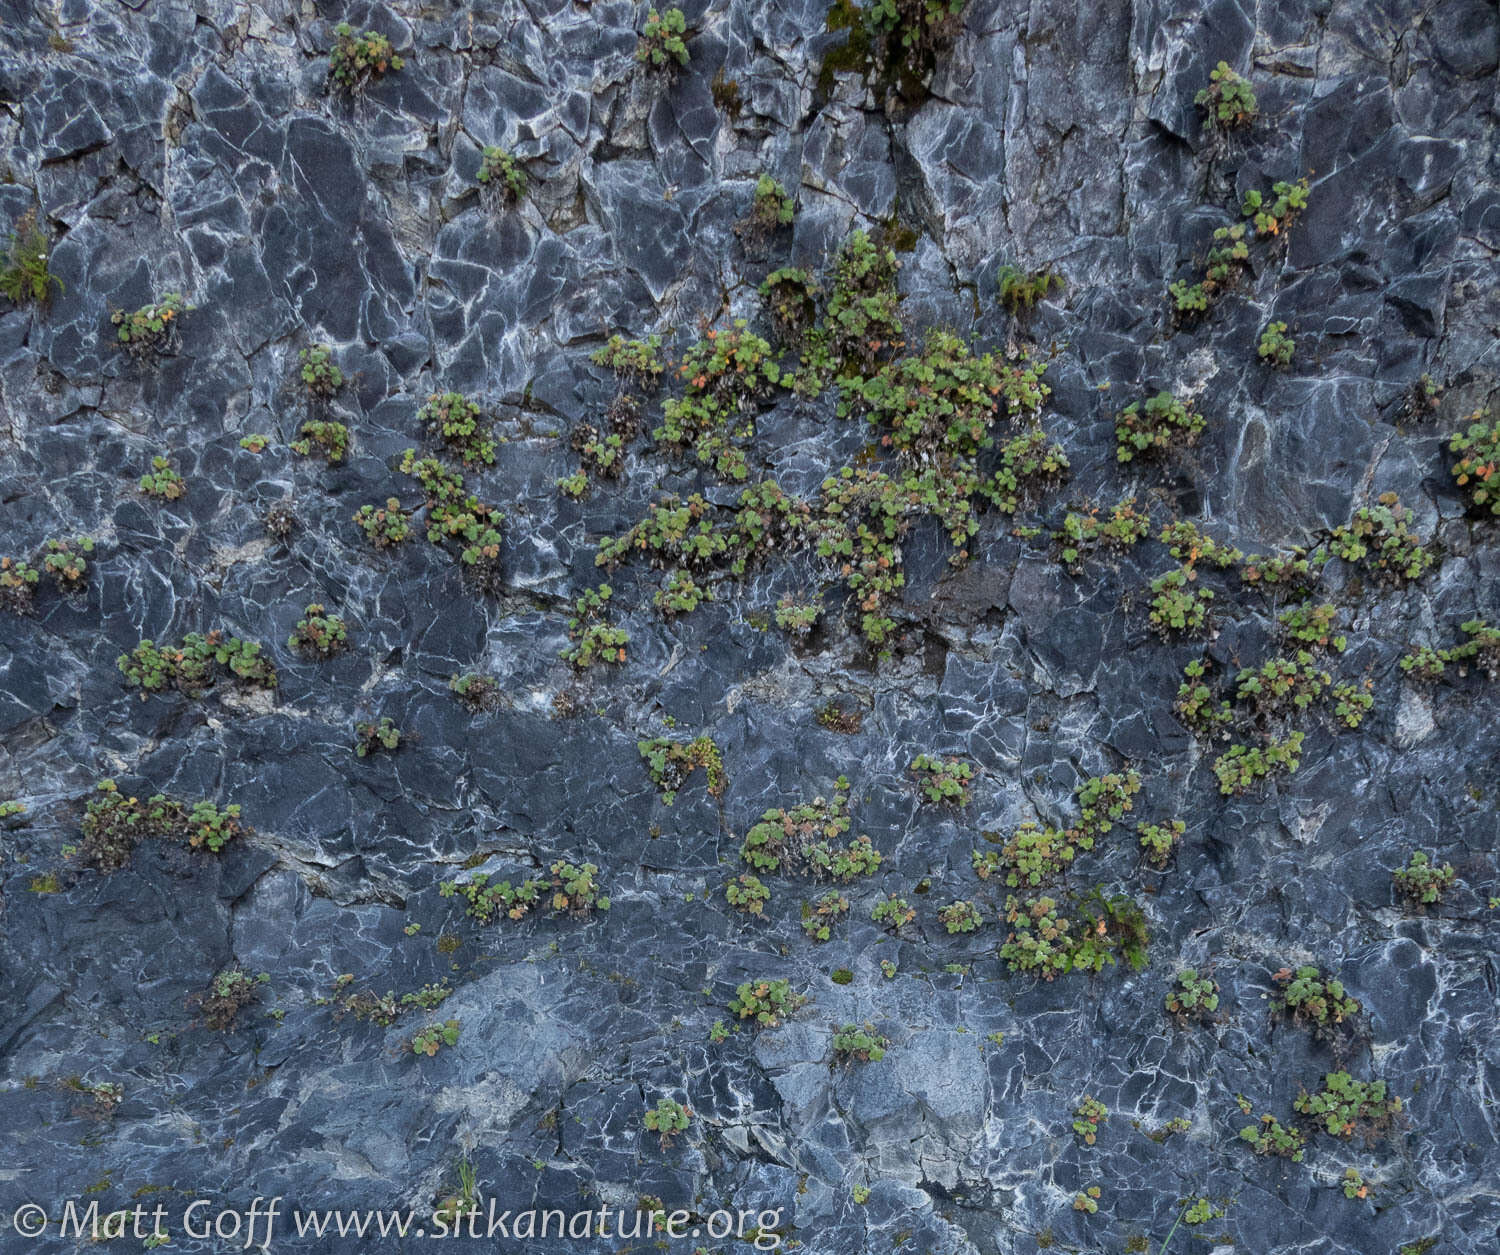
(1192, 997)
(1310, 998)
(943, 781)
(372, 737)
(321, 376)
(747, 893)
(189, 666)
(384, 526)
(358, 59)
(672, 762)
(1475, 470)
(324, 438)
(152, 328)
(856, 1043)
(501, 177)
(1158, 424)
(818, 918)
(663, 43)
(24, 274)
(667, 1119)
(162, 481)
(318, 634)
(1228, 100)
(808, 839)
(114, 822)
(230, 992)
(767, 1002)
(1422, 882)
(593, 638)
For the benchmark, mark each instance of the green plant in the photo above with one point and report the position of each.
(767, 1002)
(1087, 1200)
(1351, 703)
(457, 421)
(1190, 546)
(943, 781)
(1191, 996)
(1163, 422)
(818, 918)
(188, 667)
(1271, 1137)
(318, 634)
(1228, 99)
(747, 893)
(1276, 347)
(893, 912)
(662, 44)
(805, 839)
(1159, 840)
(667, 1119)
(1480, 447)
(681, 594)
(385, 525)
(862, 1043)
(475, 690)
(370, 737)
(575, 485)
(860, 1194)
(1229, 255)
(1311, 998)
(960, 917)
(1102, 800)
(1039, 938)
(11, 810)
(861, 321)
(152, 328)
(593, 638)
(727, 374)
(485, 900)
(672, 762)
(790, 297)
(1422, 882)
(322, 438)
(1087, 1119)
(771, 208)
(1033, 856)
(1380, 539)
(163, 481)
(24, 275)
(1242, 766)
(113, 823)
(358, 59)
(1282, 684)
(636, 360)
(18, 581)
(1082, 533)
(1355, 1185)
(1344, 1104)
(907, 35)
(66, 561)
(230, 991)
(1200, 1211)
(942, 402)
(320, 374)
(575, 891)
(1177, 607)
(1290, 200)
(1313, 626)
(255, 443)
(501, 176)
(798, 617)
(434, 1037)
(1028, 463)
(1020, 290)
(1188, 300)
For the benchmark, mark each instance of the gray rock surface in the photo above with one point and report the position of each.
(193, 147)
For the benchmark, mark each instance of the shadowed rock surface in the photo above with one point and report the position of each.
(194, 148)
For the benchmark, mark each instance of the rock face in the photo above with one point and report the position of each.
(195, 148)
